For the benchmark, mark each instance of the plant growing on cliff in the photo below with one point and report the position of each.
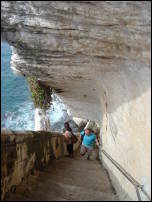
(41, 94)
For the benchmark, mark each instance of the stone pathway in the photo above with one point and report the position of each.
(67, 180)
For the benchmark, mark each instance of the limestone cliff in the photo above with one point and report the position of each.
(96, 55)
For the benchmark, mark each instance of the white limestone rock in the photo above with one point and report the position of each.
(42, 121)
(96, 55)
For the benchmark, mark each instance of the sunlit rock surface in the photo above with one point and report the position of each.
(42, 122)
(97, 57)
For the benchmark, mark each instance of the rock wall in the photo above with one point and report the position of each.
(23, 152)
(42, 121)
(96, 55)
(126, 131)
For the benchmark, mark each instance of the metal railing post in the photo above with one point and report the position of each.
(136, 184)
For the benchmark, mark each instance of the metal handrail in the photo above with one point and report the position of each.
(136, 184)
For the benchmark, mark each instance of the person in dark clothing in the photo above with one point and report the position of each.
(68, 137)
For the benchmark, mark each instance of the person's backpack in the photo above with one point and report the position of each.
(74, 139)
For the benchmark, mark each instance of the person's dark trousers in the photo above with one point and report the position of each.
(70, 149)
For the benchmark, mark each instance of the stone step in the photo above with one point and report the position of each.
(53, 191)
(94, 184)
(67, 180)
(79, 174)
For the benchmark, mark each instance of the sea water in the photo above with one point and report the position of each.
(17, 109)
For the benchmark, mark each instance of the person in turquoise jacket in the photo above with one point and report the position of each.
(88, 140)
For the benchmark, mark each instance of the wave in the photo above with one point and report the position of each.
(16, 104)
(23, 117)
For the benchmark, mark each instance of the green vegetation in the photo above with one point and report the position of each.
(41, 95)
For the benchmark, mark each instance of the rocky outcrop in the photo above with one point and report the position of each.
(96, 55)
(42, 121)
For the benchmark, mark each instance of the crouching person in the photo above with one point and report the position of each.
(88, 141)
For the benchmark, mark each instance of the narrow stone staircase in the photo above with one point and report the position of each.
(67, 179)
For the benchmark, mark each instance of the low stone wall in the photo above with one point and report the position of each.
(26, 151)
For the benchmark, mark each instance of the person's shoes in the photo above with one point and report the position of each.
(88, 158)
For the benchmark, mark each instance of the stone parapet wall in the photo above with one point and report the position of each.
(97, 58)
(22, 152)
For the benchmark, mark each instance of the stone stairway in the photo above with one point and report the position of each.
(67, 179)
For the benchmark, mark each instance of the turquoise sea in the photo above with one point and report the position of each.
(17, 109)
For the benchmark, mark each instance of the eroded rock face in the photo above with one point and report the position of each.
(42, 122)
(97, 57)
(75, 46)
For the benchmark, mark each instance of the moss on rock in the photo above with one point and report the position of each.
(41, 94)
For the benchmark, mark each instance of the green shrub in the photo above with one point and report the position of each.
(41, 94)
